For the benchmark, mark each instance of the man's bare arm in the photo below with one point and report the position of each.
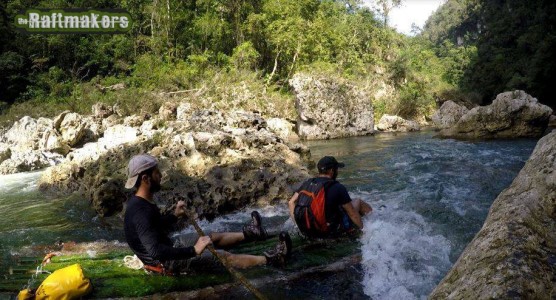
(291, 205)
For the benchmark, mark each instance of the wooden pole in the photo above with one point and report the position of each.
(238, 276)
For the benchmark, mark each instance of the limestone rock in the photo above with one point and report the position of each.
(93, 129)
(110, 121)
(101, 110)
(282, 128)
(133, 120)
(3, 131)
(513, 256)
(5, 152)
(183, 111)
(390, 123)
(221, 162)
(448, 114)
(29, 160)
(52, 141)
(331, 108)
(108, 197)
(168, 111)
(26, 133)
(71, 127)
(120, 134)
(511, 115)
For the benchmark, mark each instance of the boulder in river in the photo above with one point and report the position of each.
(26, 133)
(511, 115)
(513, 256)
(390, 123)
(29, 160)
(331, 108)
(448, 114)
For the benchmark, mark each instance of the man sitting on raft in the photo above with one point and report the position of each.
(322, 207)
(146, 230)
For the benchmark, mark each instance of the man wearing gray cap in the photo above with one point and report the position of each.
(146, 230)
(322, 207)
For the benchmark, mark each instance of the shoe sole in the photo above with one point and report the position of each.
(285, 237)
(255, 215)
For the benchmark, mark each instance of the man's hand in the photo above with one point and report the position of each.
(179, 211)
(201, 244)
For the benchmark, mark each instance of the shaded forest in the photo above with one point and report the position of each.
(515, 44)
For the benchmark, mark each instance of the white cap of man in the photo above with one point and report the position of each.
(138, 164)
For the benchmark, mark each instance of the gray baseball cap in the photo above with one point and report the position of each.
(138, 164)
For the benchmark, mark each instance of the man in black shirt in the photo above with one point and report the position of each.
(146, 230)
(341, 213)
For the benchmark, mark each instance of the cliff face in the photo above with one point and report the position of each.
(514, 254)
(330, 108)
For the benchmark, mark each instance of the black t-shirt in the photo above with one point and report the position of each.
(146, 233)
(335, 195)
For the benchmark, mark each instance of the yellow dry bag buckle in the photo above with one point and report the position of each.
(27, 292)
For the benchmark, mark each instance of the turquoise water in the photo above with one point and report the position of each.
(32, 222)
(430, 197)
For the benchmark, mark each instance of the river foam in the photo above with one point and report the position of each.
(402, 257)
(19, 182)
(430, 198)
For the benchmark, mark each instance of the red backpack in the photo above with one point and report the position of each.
(309, 211)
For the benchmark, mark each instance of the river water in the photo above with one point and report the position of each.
(430, 196)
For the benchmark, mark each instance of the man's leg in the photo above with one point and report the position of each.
(226, 239)
(242, 261)
(361, 206)
(254, 231)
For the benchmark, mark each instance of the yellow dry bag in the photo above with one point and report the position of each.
(65, 283)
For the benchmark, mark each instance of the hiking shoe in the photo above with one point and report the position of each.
(278, 256)
(255, 231)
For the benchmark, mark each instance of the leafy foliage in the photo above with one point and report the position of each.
(184, 45)
(514, 42)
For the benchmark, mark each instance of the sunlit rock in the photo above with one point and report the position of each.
(331, 108)
(390, 123)
(511, 115)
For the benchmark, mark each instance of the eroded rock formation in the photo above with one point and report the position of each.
(511, 115)
(331, 108)
(514, 254)
(390, 123)
(215, 161)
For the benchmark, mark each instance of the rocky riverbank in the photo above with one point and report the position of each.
(514, 254)
(216, 161)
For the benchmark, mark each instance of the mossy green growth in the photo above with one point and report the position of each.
(110, 278)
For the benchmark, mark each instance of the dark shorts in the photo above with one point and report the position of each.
(346, 225)
(344, 228)
(201, 263)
